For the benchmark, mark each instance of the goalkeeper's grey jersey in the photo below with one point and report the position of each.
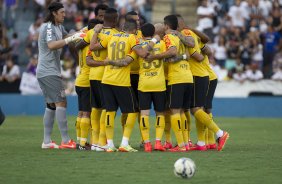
(49, 60)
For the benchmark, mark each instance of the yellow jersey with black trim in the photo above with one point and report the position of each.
(178, 72)
(197, 68)
(82, 80)
(96, 73)
(151, 74)
(212, 74)
(120, 46)
(135, 65)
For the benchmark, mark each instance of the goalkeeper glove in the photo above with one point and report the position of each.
(76, 36)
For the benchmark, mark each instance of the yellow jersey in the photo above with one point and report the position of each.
(96, 73)
(151, 74)
(197, 68)
(82, 80)
(178, 72)
(119, 47)
(212, 74)
(135, 65)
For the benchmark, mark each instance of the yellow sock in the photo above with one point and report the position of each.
(110, 120)
(145, 128)
(84, 126)
(123, 118)
(211, 138)
(206, 135)
(205, 119)
(95, 125)
(200, 131)
(160, 125)
(176, 127)
(102, 133)
(184, 128)
(188, 118)
(77, 128)
(167, 128)
(128, 127)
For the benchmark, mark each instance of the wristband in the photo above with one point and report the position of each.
(184, 56)
(154, 40)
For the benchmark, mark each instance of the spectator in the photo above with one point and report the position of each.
(148, 7)
(220, 52)
(11, 72)
(239, 75)
(277, 62)
(236, 14)
(205, 19)
(277, 75)
(9, 12)
(32, 65)
(245, 52)
(254, 74)
(271, 41)
(15, 43)
(257, 52)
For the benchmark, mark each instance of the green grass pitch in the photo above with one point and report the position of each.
(252, 155)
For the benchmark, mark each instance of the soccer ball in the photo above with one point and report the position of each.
(184, 168)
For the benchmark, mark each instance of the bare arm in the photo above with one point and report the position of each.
(94, 45)
(144, 52)
(203, 36)
(92, 63)
(198, 56)
(207, 50)
(122, 62)
(178, 58)
(81, 44)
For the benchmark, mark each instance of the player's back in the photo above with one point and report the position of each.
(197, 68)
(151, 74)
(96, 73)
(119, 47)
(178, 72)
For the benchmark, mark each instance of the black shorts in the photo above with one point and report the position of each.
(119, 96)
(83, 94)
(179, 95)
(211, 90)
(134, 80)
(158, 99)
(200, 90)
(97, 98)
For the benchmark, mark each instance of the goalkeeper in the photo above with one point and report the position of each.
(52, 38)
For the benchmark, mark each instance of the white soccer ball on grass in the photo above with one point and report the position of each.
(184, 168)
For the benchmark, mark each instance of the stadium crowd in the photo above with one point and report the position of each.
(245, 35)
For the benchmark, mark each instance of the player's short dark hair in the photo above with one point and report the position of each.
(130, 25)
(128, 14)
(93, 22)
(171, 21)
(110, 15)
(100, 7)
(148, 30)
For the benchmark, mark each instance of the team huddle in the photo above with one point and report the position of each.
(133, 67)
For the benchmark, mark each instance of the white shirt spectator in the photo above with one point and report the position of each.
(206, 22)
(237, 15)
(240, 77)
(220, 52)
(266, 7)
(15, 71)
(254, 75)
(277, 75)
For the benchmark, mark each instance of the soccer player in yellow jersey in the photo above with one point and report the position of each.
(201, 82)
(95, 59)
(180, 81)
(152, 89)
(134, 71)
(82, 87)
(210, 139)
(116, 82)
